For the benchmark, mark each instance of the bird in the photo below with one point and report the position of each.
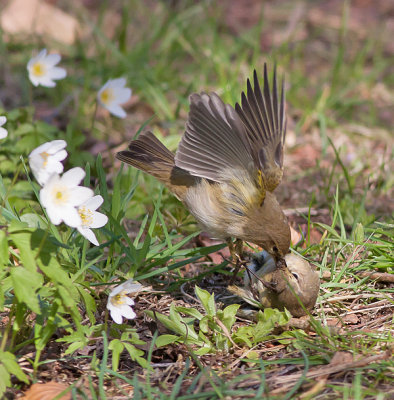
(294, 286)
(228, 163)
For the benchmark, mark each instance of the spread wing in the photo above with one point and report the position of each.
(263, 115)
(214, 141)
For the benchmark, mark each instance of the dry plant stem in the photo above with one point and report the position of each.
(378, 276)
(288, 380)
(356, 296)
(315, 389)
(305, 210)
(226, 332)
(239, 359)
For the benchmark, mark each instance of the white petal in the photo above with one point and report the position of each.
(38, 57)
(94, 203)
(56, 145)
(99, 220)
(52, 59)
(53, 166)
(116, 315)
(116, 290)
(36, 163)
(41, 54)
(41, 148)
(3, 120)
(127, 312)
(106, 84)
(130, 286)
(59, 156)
(128, 300)
(88, 234)
(117, 83)
(73, 176)
(55, 215)
(71, 217)
(116, 110)
(34, 80)
(46, 82)
(57, 73)
(30, 63)
(45, 198)
(122, 95)
(3, 133)
(41, 175)
(79, 194)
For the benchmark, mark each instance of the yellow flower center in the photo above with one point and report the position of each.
(107, 96)
(60, 195)
(118, 299)
(45, 156)
(86, 216)
(38, 69)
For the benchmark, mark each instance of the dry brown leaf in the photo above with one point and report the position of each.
(46, 391)
(37, 17)
(296, 236)
(350, 319)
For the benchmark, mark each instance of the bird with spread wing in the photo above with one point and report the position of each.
(227, 166)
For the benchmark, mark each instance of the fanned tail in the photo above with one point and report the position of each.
(148, 154)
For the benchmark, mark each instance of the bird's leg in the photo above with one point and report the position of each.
(239, 250)
(236, 253)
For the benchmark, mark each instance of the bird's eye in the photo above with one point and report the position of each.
(295, 275)
(275, 249)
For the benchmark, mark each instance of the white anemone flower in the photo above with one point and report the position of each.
(45, 160)
(119, 305)
(62, 194)
(3, 131)
(42, 69)
(112, 94)
(91, 218)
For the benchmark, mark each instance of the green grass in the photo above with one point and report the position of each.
(54, 285)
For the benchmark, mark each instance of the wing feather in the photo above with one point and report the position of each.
(263, 114)
(214, 140)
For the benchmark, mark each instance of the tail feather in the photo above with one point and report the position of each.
(148, 154)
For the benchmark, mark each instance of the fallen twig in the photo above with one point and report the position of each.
(377, 276)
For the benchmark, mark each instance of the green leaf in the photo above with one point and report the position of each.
(359, 233)
(228, 315)
(22, 240)
(203, 350)
(90, 303)
(182, 327)
(207, 301)
(74, 347)
(175, 324)
(34, 221)
(8, 367)
(117, 347)
(3, 248)
(204, 324)
(136, 354)
(25, 284)
(164, 340)
(190, 311)
(5, 379)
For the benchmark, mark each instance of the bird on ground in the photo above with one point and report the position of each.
(227, 166)
(294, 286)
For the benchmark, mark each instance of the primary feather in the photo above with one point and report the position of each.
(263, 115)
